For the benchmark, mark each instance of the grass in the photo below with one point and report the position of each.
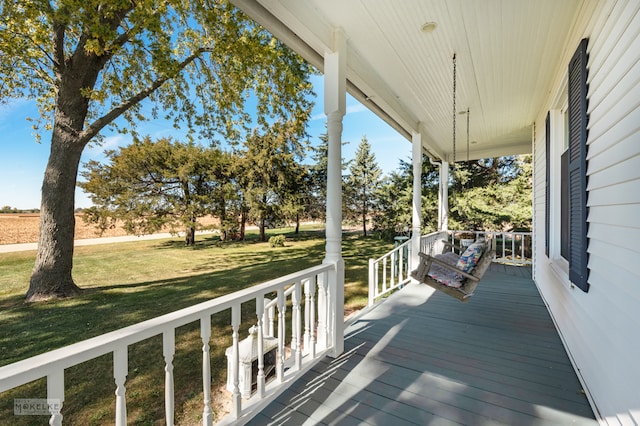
(127, 283)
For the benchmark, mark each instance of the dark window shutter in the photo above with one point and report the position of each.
(547, 191)
(578, 271)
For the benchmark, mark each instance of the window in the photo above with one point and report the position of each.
(570, 130)
(564, 190)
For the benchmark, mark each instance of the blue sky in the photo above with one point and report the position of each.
(22, 160)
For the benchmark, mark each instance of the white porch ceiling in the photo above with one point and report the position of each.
(508, 52)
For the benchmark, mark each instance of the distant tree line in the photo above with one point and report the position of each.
(9, 209)
(152, 185)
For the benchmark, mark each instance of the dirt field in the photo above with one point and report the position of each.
(23, 228)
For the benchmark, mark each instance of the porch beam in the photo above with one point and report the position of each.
(335, 83)
(416, 217)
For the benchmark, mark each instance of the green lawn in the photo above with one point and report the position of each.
(126, 283)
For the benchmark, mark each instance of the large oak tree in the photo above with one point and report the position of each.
(88, 63)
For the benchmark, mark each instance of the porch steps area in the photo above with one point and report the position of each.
(415, 359)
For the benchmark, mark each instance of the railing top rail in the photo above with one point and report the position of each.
(33, 368)
(401, 246)
(460, 231)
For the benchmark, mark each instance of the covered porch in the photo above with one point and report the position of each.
(424, 358)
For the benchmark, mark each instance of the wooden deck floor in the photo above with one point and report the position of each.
(414, 360)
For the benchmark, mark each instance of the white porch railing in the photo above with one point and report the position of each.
(307, 293)
(392, 270)
(512, 248)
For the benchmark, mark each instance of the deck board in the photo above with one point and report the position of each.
(418, 360)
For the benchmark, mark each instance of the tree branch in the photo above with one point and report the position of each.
(95, 127)
(59, 30)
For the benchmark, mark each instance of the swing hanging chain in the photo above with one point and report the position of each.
(468, 133)
(454, 110)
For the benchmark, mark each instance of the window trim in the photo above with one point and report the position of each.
(574, 270)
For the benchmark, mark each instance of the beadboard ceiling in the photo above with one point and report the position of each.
(507, 54)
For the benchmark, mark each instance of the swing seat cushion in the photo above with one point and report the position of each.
(469, 258)
(465, 262)
(446, 276)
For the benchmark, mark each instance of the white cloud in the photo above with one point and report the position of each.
(351, 109)
(355, 108)
(109, 142)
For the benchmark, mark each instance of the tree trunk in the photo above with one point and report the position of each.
(51, 275)
(262, 226)
(297, 223)
(364, 222)
(243, 223)
(190, 236)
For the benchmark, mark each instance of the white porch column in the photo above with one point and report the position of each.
(443, 198)
(335, 89)
(416, 217)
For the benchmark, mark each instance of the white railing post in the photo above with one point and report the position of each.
(235, 325)
(260, 314)
(282, 306)
(55, 391)
(394, 259)
(372, 284)
(296, 319)
(168, 351)
(322, 311)
(312, 316)
(120, 369)
(384, 276)
(307, 313)
(205, 335)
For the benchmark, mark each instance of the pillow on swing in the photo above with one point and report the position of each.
(469, 258)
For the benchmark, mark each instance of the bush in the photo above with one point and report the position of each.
(277, 241)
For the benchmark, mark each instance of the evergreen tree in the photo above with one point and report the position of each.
(270, 172)
(318, 178)
(492, 194)
(153, 184)
(395, 199)
(362, 185)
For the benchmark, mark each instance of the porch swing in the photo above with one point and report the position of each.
(456, 272)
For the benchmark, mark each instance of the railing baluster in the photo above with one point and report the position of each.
(269, 318)
(372, 283)
(384, 275)
(260, 314)
(393, 269)
(307, 322)
(235, 326)
(282, 306)
(55, 391)
(322, 311)
(168, 351)
(312, 316)
(401, 267)
(296, 326)
(205, 335)
(331, 313)
(120, 370)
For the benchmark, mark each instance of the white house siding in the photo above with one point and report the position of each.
(601, 328)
